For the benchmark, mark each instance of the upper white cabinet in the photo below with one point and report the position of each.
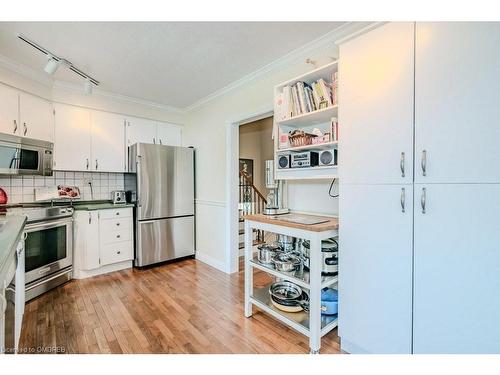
(25, 115)
(108, 142)
(376, 111)
(457, 265)
(35, 118)
(169, 134)
(9, 110)
(140, 130)
(72, 138)
(88, 140)
(456, 102)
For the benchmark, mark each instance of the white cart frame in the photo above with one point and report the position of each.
(312, 324)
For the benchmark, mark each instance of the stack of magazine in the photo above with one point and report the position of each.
(303, 97)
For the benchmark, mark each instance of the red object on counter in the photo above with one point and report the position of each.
(3, 196)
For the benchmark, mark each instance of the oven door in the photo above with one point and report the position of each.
(48, 248)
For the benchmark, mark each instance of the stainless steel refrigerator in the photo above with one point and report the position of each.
(162, 182)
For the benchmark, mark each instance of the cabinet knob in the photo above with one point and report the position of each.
(118, 236)
(117, 213)
(117, 224)
(118, 252)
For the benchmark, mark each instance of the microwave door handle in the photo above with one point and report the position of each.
(14, 163)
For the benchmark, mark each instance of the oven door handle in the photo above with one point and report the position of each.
(48, 225)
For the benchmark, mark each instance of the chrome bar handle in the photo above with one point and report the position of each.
(160, 141)
(96, 165)
(87, 163)
(403, 199)
(423, 163)
(154, 141)
(423, 199)
(402, 164)
(15, 126)
(25, 128)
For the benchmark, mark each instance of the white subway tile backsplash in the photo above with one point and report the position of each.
(20, 189)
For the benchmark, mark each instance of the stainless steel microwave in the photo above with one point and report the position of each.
(25, 156)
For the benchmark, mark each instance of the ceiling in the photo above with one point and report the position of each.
(171, 63)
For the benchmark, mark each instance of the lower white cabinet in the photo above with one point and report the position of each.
(457, 268)
(375, 274)
(103, 241)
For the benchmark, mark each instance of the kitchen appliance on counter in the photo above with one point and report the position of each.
(329, 254)
(48, 246)
(118, 197)
(25, 156)
(275, 199)
(162, 182)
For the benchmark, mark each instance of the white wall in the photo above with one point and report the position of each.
(206, 130)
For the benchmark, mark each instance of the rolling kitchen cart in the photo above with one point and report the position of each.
(311, 324)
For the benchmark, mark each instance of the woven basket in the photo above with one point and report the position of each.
(300, 138)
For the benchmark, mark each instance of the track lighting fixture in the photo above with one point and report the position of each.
(54, 62)
(52, 65)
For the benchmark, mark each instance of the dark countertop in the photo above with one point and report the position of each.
(91, 206)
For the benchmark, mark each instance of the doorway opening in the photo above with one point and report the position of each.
(255, 147)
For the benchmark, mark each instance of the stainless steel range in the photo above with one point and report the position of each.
(48, 247)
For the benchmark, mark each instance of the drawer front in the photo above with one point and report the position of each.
(115, 224)
(117, 252)
(116, 234)
(115, 213)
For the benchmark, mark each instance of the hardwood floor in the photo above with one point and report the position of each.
(183, 307)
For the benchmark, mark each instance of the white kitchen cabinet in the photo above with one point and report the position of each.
(108, 142)
(72, 138)
(169, 134)
(456, 102)
(86, 234)
(36, 119)
(375, 268)
(457, 263)
(103, 240)
(376, 106)
(9, 110)
(141, 130)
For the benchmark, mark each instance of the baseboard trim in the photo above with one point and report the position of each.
(221, 266)
(81, 274)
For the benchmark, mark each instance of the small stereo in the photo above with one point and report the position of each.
(284, 161)
(304, 159)
(328, 157)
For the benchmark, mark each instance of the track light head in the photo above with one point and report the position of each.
(52, 65)
(87, 86)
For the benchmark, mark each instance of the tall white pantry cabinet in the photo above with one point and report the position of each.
(420, 189)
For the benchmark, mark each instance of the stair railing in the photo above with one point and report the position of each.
(252, 201)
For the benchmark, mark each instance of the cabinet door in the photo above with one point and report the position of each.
(456, 102)
(375, 274)
(36, 118)
(169, 134)
(457, 268)
(86, 244)
(72, 138)
(141, 131)
(9, 111)
(108, 142)
(376, 106)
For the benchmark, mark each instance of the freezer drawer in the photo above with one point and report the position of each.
(164, 239)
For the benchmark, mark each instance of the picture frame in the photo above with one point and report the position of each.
(246, 166)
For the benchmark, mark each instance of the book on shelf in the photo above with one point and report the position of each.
(334, 129)
(303, 97)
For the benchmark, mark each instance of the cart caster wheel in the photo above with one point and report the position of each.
(314, 351)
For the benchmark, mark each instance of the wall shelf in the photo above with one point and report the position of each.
(310, 173)
(319, 116)
(320, 146)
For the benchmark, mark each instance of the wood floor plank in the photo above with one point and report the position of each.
(180, 307)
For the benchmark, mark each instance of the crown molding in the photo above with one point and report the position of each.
(123, 98)
(25, 71)
(340, 33)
